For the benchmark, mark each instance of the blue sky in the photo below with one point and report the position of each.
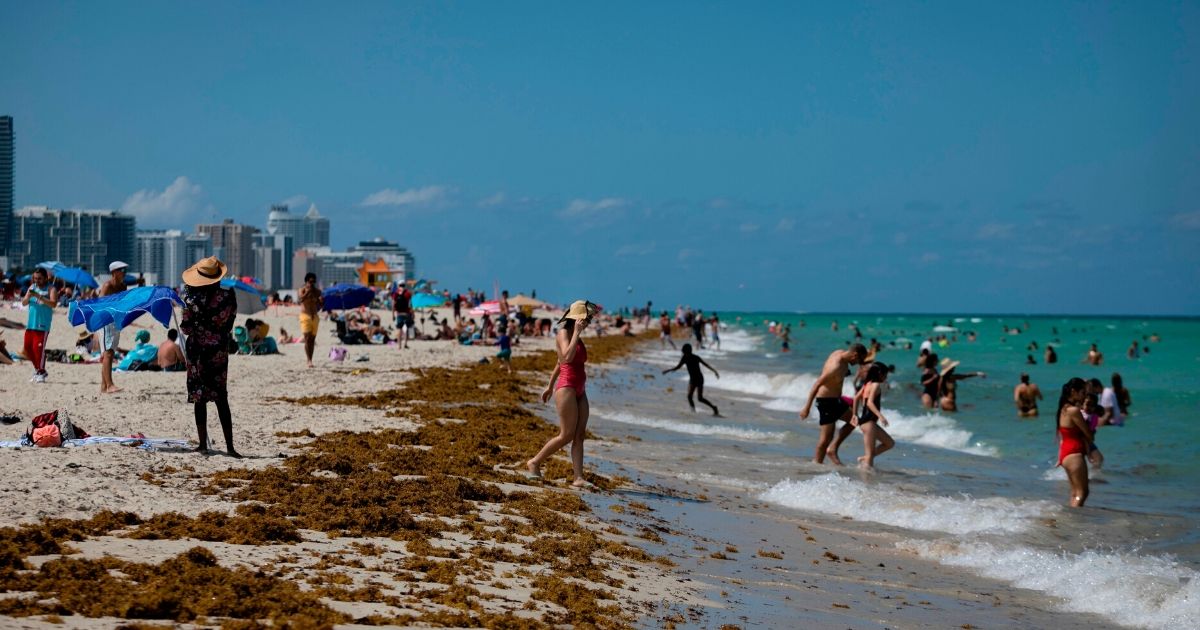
(892, 156)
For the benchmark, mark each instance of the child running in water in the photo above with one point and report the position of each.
(867, 401)
(695, 376)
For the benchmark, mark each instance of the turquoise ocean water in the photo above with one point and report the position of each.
(977, 488)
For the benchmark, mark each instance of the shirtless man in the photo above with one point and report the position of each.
(1026, 396)
(170, 356)
(827, 392)
(310, 311)
(112, 335)
(1094, 356)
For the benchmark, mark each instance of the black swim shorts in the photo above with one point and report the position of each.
(831, 409)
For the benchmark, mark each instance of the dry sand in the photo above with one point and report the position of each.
(736, 564)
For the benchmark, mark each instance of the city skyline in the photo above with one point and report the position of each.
(918, 158)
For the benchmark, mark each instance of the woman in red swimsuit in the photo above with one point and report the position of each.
(1075, 439)
(568, 386)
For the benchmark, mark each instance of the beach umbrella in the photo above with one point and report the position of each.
(520, 300)
(426, 300)
(249, 299)
(491, 307)
(346, 296)
(74, 275)
(121, 309)
(50, 265)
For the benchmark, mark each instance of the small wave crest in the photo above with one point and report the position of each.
(834, 494)
(936, 430)
(723, 480)
(695, 428)
(1139, 591)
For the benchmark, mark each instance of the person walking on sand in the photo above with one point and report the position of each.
(568, 387)
(695, 376)
(208, 315)
(1026, 396)
(402, 309)
(827, 392)
(868, 400)
(40, 298)
(111, 337)
(664, 323)
(1076, 442)
(310, 311)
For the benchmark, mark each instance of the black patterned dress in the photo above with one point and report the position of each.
(208, 315)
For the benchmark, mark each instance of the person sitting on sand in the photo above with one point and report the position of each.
(568, 387)
(695, 376)
(170, 357)
(827, 393)
(143, 355)
(1026, 396)
(209, 312)
(869, 417)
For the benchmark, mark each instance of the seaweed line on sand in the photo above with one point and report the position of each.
(467, 534)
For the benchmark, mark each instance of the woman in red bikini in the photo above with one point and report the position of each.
(1075, 439)
(568, 387)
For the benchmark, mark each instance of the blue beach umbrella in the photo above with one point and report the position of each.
(249, 299)
(121, 309)
(346, 296)
(426, 300)
(72, 275)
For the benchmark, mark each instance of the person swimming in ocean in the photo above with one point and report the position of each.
(869, 418)
(695, 376)
(827, 393)
(1026, 396)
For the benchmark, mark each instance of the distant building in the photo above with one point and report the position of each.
(233, 243)
(7, 183)
(197, 247)
(373, 263)
(273, 261)
(307, 230)
(89, 239)
(161, 256)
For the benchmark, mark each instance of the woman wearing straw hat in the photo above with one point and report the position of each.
(948, 379)
(567, 385)
(208, 315)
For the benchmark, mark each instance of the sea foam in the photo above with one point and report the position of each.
(1138, 591)
(695, 428)
(832, 493)
(936, 430)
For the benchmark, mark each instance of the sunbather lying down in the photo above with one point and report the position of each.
(4, 358)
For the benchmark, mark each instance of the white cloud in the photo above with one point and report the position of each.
(168, 208)
(634, 249)
(295, 202)
(494, 200)
(1187, 220)
(423, 196)
(582, 207)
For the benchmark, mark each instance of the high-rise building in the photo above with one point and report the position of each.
(273, 261)
(376, 263)
(398, 258)
(233, 243)
(7, 168)
(309, 230)
(89, 239)
(197, 247)
(162, 256)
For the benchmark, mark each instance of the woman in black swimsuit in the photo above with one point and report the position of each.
(931, 382)
(876, 440)
(695, 376)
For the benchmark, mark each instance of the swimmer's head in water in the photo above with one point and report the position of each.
(1024, 378)
(687, 348)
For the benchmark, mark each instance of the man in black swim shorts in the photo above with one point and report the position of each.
(827, 392)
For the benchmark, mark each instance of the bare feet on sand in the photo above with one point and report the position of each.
(111, 389)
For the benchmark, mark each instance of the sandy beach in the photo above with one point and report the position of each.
(380, 492)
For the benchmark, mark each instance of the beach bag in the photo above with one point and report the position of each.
(45, 431)
(337, 353)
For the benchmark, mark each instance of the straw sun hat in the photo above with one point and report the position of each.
(206, 272)
(580, 309)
